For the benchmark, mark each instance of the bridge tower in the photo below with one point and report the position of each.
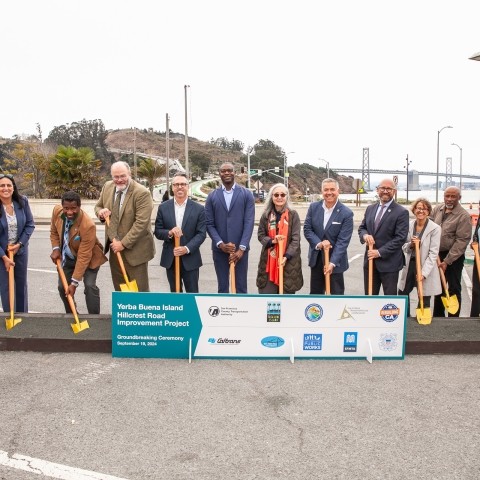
(366, 169)
(448, 172)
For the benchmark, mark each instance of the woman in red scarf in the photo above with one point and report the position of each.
(279, 221)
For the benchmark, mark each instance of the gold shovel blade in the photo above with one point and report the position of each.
(131, 286)
(79, 326)
(451, 304)
(11, 322)
(424, 316)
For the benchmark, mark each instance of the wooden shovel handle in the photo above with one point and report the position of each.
(63, 278)
(119, 257)
(442, 277)
(177, 265)
(281, 252)
(477, 258)
(233, 288)
(11, 285)
(370, 271)
(326, 252)
(416, 241)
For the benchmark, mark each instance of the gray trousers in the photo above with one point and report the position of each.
(92, 292)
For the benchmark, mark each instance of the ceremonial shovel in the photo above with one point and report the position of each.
(424, 315)
(11, 322)
(78, 326)
(281, 251)
(233, 288)
(449, 302)
(370, 271)
(177, 266)
(128, 286)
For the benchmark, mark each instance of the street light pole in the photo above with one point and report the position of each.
(187, 168)
(461, 150)
(328, 166)
(438, 160)
(408, 163)
(285, 169)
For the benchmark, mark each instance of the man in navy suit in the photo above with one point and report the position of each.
(183, 218)
(328, 225)
(384, 226)
(230, 216)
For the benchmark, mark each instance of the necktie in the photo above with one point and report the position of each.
(379, 217)
(68, 224)
(115, 216)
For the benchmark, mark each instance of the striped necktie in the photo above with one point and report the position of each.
(65, 248)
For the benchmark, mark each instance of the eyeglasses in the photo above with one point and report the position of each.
(179, 184)
(120, 177)
(276, 195)
(386, 189)
(420, 209)
(6, 175)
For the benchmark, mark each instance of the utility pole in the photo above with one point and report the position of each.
(135, 153)
(187, 169)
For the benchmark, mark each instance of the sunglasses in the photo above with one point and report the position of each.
(276, 195)
(6, 175)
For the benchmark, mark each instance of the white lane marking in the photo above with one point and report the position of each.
(41, 271)
(359, 255)
(49, 469)
(92, 371)
(468, 283)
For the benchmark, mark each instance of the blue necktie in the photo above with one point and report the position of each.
(68, 224)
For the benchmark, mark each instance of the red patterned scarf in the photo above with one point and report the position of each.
(273, 251)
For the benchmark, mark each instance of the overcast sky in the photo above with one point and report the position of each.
(323, 79)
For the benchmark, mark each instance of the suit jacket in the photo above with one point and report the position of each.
(338, 231)
(82, 241)
(135, 220)
(25, 226)
(389, 237)
(193, 228)
(429, 246)
(234, 225)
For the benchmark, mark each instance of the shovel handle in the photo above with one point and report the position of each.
(326, 252)
(477, 258)
(11, 286)
(63, 278)
(416, 241)
(442, 278)
(281, 252)
(119, 257)
(370, 271)
(233, 288)
(177, 266)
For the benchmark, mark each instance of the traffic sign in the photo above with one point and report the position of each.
(395, 179)
(258, 185)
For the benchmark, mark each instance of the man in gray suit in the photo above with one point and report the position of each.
(129, 206)
(185, 219)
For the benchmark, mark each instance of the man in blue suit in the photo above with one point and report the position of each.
(384, 226)
(328, 225)
(230, 216)
(183, 218)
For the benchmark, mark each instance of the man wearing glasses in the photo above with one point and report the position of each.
(328, 225)
(181, 218)
(385, 228)
(230, 217)
(128, 205)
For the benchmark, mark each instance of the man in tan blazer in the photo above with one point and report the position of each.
(74, 241)
(129, 207)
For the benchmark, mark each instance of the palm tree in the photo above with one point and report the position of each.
(74, 169)
(150, 170)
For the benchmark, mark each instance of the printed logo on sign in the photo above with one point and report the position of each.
(390, 312)
(312, 341)
(350, 341)
(273, 342)
(388, 342)
(313, 312)
(346, 314)
(213, 311)
(223, 341)
(273, 311)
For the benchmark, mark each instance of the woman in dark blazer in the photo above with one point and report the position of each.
(16, 227)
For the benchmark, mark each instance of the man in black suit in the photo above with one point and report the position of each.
(183, 218)
(385, 226)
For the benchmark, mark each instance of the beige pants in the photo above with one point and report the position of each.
(138, 273)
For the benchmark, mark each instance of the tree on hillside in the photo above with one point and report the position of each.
(74, 169)
(200, 161)
(232, 145)
(85, 133)
(150, 170)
